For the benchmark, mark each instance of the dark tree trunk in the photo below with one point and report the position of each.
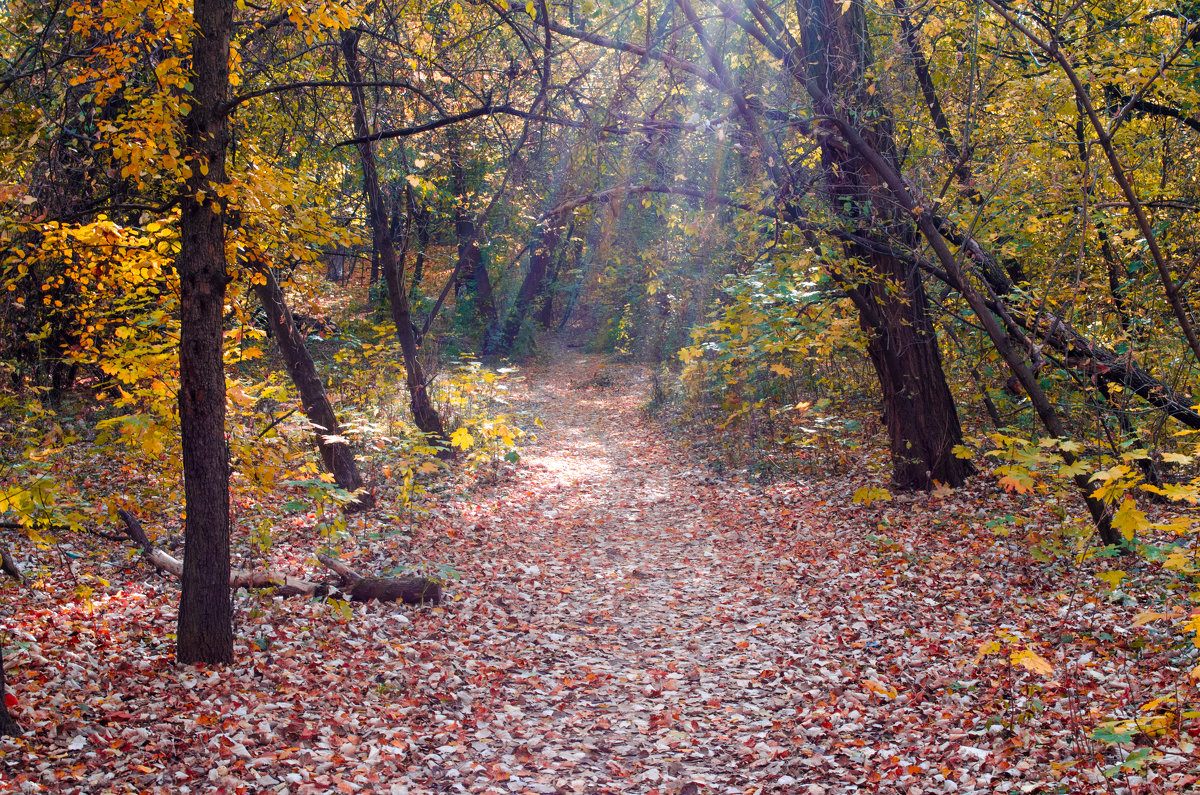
(545, 312)
(337, 455)
(540, 255)
(471, 267)
(424, 414)
(8, 726)
(922, 420)
(205, 628)
(919, 410)
(420, 217)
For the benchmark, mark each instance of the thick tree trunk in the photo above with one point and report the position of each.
(921, 417)
(205, 627)
(919, 411)
(337, 455)
(424, 414)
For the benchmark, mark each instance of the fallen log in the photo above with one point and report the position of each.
(410, 590)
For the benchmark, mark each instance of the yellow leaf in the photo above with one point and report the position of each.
(462, 439)
(781, 370)
(1071, 470)
(869, 494)
(1106, 475)
(1031, 661)
(875, 686)
(428, 467)
(1142, 619)
(990, 647)
(239, 396)
(1156, 726)
(1129, 520)
(1113, 578)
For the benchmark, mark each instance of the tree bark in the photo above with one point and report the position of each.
(424, 414)
(410, 590)
(471, 266)
(919, 411)
(337, 455)
(889, 293)
(205, 626)
(532, 287)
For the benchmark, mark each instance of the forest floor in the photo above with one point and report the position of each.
(624, 622)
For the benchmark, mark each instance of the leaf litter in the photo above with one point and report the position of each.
(623, 622)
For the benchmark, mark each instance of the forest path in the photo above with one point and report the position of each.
(641, 663)
(653, 638)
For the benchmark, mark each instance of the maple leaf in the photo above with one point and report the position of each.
(1129, 520)
(869, 494)
(1032, 661)
(1019, 482)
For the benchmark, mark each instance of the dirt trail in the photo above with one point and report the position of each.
(647, 629)
(631, 599)
(649, 647)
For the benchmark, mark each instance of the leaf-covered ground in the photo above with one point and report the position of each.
(624, 622)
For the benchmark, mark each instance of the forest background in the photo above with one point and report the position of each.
(261, 258)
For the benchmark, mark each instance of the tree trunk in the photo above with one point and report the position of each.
(205, 627)
(545, 313)
(919, 410)
(337, 455)
(540, 255)
(424, 414)
(905, 197)
(920, 414)
(471, 266)
(421, 223)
